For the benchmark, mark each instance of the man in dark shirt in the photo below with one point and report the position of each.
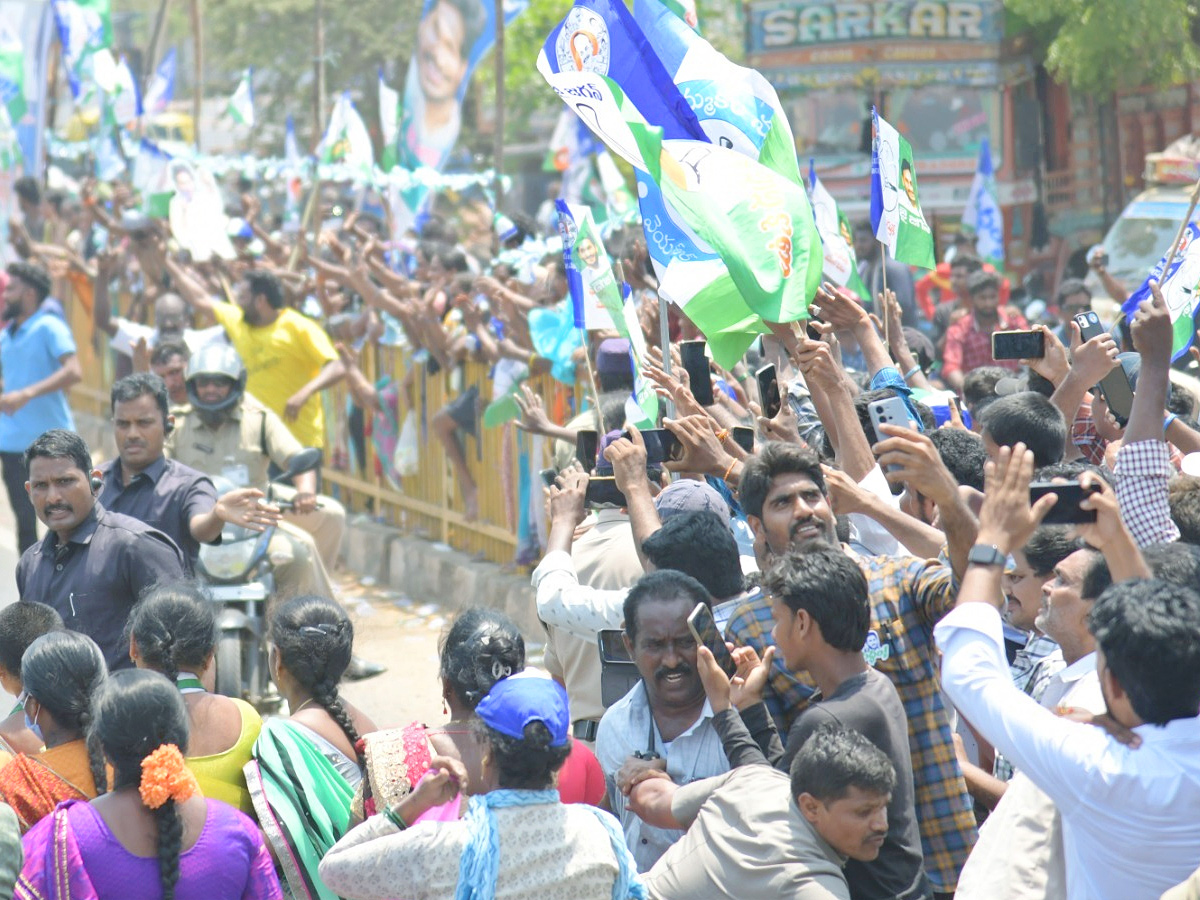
(822, 618)
(93, 564)
(164, 493)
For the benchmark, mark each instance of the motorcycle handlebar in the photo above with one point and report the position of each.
(290, 505)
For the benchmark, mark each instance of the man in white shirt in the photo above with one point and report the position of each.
(1020, 851)
(171, 317)
(665, 721)
(1130, 829)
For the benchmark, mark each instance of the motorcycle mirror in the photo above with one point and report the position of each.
(304, 461)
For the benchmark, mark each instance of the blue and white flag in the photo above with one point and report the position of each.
(162, 85)
(599, 38)
(84, 27)
(737, 107)
(982, 216)
(1180, 285)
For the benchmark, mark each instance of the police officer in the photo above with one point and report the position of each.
(227, 432)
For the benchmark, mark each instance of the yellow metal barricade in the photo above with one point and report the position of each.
(428, 503)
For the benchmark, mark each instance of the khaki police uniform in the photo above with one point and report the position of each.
(240, 449)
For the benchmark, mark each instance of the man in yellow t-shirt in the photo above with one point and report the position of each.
(289, 357)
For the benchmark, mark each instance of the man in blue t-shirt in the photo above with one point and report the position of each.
(37, 365)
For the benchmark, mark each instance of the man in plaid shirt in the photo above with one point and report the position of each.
(969, 340)
(783, 492)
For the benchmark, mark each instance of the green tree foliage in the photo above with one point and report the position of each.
(1098, 46)
(277, 38)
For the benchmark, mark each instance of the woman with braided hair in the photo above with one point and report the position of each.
(173, 630)
(154, 835)
(59, 672)
(305, 768)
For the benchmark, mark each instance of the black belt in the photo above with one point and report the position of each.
(585, 730)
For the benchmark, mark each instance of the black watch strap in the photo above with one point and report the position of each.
(987, 555)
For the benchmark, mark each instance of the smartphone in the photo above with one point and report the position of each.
(768, 391)
(618, 674)
(548, 476)
(587, 446)
(888, 411)
(1115, 387)
(661, 446)
(612, 646)
(699, 373)
(744, 437)
(1018, 344)
(1065, 510)
(602, 493)
(704, 630)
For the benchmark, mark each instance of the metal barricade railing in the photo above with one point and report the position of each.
(428, 502)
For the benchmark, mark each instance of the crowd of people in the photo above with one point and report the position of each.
(950, 651)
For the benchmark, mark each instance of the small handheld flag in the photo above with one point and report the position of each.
(389, 124)
(1180, 285)
(982, 215)
(241, 104)
(837, 237)
(896, 215)
(162, 85)
(346, 138)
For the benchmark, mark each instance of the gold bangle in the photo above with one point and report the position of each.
(729, 471)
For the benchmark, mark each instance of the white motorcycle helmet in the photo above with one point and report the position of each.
(219, 360)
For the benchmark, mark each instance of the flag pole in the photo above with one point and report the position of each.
(587, 358)
(198, 78)
(498, 145)
(1183, 226)
(156, 34)
(881, 302)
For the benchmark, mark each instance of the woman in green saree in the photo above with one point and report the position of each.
(305, 768)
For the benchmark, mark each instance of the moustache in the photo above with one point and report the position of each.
(59, 507)
(811, 522)
(662, 672)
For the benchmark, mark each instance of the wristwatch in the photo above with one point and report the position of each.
(986, 555)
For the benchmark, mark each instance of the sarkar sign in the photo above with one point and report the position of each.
(784, 24)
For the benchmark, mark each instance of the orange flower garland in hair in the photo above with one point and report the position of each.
(165, 776)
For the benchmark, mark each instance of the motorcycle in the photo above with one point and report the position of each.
(239, 575)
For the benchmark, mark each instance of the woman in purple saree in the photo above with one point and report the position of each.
(153, 835)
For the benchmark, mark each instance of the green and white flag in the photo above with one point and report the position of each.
(618, 201)
(837, 237)
(125, 99)
(12, 74)
(84, 28)
(605, 305)
(895, 202)
(241, 104)
(152, 178)
(346, 138)
(389, 124)
(758, 222)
